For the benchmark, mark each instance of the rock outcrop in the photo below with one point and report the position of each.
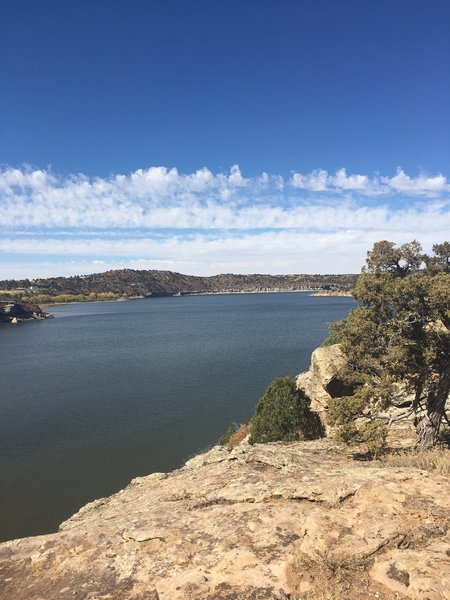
(14, 312)
(253, 522)
(322, 382)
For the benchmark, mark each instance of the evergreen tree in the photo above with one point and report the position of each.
(283, 413)
(397, 340)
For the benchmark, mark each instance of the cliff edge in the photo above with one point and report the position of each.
(272, 521)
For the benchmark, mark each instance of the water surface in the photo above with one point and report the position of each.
(109, 391)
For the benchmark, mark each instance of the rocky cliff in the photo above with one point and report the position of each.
(14, 312)
(297, 520)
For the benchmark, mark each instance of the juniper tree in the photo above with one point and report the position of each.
(397, 340)
(283, 413)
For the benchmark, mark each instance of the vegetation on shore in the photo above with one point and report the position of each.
(283, 413)
(397, 349)
(69, 298)
(131, 283)
(397, 344)
(337, 293)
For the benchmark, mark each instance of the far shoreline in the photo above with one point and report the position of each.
(312, 293)
(331, 294)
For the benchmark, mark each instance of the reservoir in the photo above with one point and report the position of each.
(110, 391)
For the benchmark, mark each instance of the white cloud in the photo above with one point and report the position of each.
(317, 181)
(285, 251)
(402, 183)
(321, 181)
(207, 222)
(163, 198)
(351, 182)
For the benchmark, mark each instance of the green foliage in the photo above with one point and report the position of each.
(401, 261)
(398, 336)
(373, 436)
(341, 411)
(440, 262)
(283, 413)
(335, 334)
(68, 298)
(354, 417)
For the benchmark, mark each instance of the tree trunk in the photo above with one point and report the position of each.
(429, 425)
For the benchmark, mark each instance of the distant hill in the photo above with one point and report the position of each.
(132, 283)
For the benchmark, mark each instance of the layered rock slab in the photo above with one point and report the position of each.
(231, 524)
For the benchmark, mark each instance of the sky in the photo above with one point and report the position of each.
(205, 137)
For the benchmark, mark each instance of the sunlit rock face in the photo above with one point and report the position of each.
(322, 382)
(242, 523)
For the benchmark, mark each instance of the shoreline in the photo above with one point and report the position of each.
(47, 305)
(130, 545)
(182, 295)
(331, 294)
(310, 292)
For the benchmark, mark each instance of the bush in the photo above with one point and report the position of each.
(283, 413)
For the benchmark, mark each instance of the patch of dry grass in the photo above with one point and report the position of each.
(237, 437)
(327, 577)
(436, 460)
(331, 577)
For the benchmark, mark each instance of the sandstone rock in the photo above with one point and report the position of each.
(412, 572)
(322, 382)
(233, 524)
(325, 362)
(325, 366)
(318, 396)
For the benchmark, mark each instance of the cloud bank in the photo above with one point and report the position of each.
(206, 223)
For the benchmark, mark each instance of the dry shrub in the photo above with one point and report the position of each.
(436, 460)
(237, 437)
(327, 577)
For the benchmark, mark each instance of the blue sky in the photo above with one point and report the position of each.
(207, 137)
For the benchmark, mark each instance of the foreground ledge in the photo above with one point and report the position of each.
(253, 522)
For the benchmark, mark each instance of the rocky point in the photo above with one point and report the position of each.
(255, 522)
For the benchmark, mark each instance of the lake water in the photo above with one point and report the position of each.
(110, 391)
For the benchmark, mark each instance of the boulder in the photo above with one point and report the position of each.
(326, 363)
(322, 382)
(314, 390)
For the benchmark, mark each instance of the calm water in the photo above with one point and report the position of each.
(106, 392)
